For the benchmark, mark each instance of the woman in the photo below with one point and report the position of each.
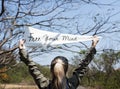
(59, 67)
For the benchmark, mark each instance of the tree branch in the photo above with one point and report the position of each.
(10, 50)
(2, 8)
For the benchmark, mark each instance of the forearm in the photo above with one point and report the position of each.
(24, 57)
(88, 57)
(38, 77)
(81, 70)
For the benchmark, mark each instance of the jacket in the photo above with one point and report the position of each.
(44, 83)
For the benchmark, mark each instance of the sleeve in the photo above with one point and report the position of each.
(81, 70)
(38, 77)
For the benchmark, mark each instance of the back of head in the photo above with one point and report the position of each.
(61, 60)
(59, 67)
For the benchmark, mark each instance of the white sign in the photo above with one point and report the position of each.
(35, 37)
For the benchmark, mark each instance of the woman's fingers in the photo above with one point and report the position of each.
(21, 44)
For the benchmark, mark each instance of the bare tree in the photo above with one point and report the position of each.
(55, 15)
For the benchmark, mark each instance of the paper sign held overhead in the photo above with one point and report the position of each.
(36, 37)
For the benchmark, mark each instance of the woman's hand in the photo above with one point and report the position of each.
(21, 44)
(95, 41)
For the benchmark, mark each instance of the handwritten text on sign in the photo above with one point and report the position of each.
(35, 36)
(46, 37)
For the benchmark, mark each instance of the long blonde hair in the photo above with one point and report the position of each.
(59, 68)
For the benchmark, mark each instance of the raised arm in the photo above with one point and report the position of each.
(38, 77)
(80, 71)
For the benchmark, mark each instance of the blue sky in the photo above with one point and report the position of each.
(86, 13)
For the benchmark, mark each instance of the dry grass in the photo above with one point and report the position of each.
(26, 86)
(17, 86)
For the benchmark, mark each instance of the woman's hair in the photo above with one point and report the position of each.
(59, 67)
